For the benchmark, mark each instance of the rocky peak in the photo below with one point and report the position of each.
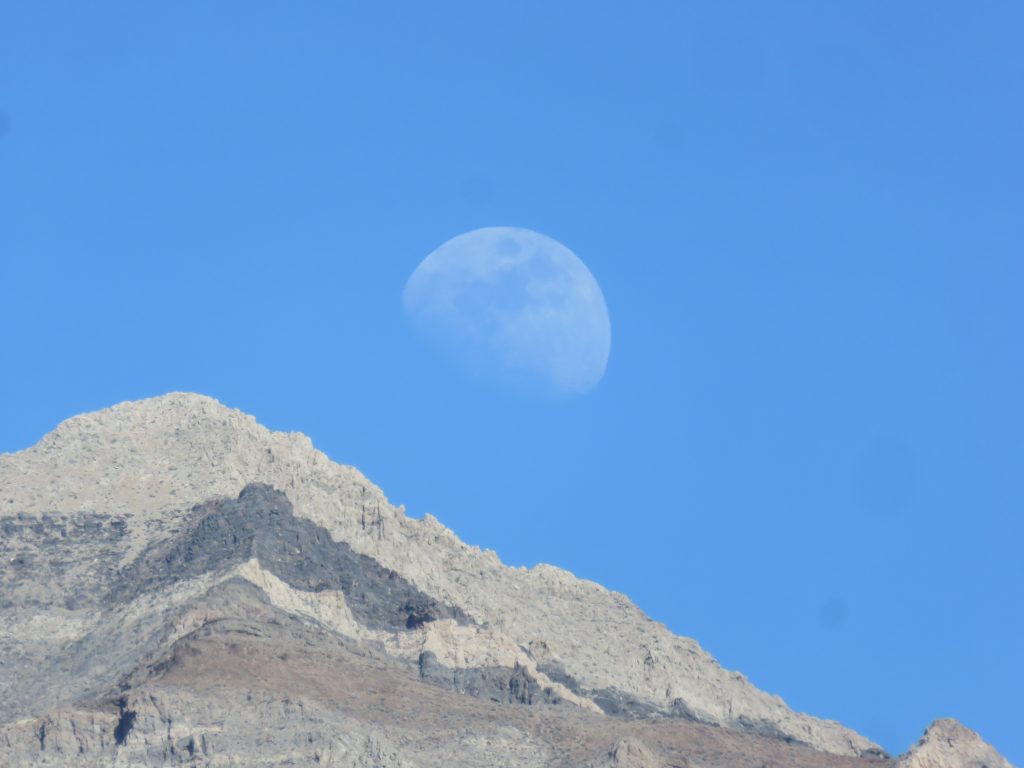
(141, 537)
(949, 744)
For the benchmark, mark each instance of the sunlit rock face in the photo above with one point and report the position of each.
(949, 744)
(182, 586)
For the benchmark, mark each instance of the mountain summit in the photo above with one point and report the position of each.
(183, 586)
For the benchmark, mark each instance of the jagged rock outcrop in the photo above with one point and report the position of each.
(181, 585)
(631, 753)
(949, 744)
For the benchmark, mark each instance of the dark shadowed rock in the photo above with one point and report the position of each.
(260, 524)
(502, 684)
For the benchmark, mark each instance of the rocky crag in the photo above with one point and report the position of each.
(948, 744)
(180, 586)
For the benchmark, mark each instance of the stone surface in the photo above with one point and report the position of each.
(949, 744)
(631, 753)
(260, 524)
(183, 586)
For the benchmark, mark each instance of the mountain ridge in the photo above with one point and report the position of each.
(150, 471)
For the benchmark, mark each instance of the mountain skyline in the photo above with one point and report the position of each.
(803, 447)
(128, 550)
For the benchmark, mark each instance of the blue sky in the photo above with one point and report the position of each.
(806, 218)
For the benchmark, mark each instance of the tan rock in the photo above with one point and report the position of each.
(949, 744)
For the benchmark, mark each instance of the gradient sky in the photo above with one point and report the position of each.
(806, 218)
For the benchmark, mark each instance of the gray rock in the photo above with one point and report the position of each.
(507, 685)
(260, 524)
(183, 587)
(949, 744)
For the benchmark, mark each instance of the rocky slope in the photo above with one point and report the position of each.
(948, 744)
(181, 585)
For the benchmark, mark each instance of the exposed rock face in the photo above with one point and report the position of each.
(181, 585)
(948, 744)
(630, 753)
(260, 524)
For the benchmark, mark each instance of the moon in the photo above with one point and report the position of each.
(515, 305)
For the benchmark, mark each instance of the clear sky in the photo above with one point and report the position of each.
(806, 218)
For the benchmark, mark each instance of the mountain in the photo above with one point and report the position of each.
(948, 744)
(183, 586)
